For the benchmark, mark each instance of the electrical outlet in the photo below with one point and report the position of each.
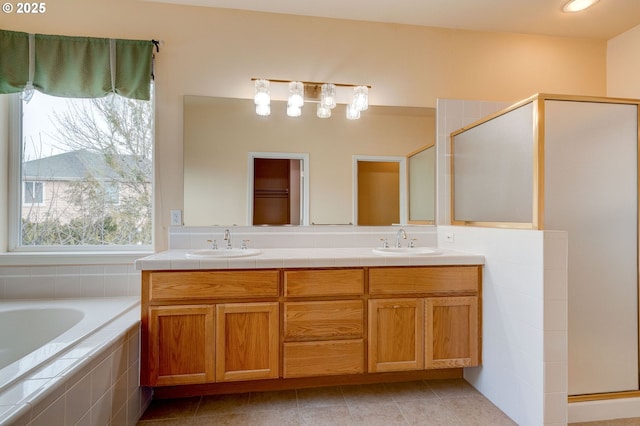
(450, 237)
(176, 217)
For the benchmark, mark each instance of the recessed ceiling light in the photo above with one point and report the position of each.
(578, 5)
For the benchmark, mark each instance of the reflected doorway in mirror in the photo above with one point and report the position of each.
(278, 188)
(380, 188)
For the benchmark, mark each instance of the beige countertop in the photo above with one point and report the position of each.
(306, 258)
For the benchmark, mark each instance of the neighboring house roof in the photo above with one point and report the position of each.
(80, 164)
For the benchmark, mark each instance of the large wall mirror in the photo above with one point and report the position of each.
(221, 134)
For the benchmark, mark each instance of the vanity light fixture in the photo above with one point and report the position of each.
(262, 98)
(323, 94)
(328, 95)
(578, 5)
(296, 94)
(361, 98)
(353, 113)
(323, 111)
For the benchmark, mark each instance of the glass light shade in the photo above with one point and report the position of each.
(353, 113)
(328, 95)
(322, 111)
(578, 5)
(361, 97)
(296, 94)
(262, 96)
(263, 110)
(293, 110)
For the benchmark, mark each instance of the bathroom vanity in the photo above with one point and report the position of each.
(278, 320)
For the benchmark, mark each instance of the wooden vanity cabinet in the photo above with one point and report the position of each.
(432, 322)
(323, 337)
(232, 329)
(197, 327)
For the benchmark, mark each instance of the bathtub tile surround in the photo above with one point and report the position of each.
(69, 281)
(95, 381)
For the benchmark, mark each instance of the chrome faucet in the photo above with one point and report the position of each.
(400, 234)
(227, 238)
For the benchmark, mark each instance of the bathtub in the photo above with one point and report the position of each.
(69, 361)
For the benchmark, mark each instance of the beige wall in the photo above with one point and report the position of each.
(623, 65)
(216, 52)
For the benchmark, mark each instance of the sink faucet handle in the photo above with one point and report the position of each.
(385, 244)
(227, 238)
(214, 244)
(244, 246)
(412, 243)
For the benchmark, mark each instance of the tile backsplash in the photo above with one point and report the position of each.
(329, 236)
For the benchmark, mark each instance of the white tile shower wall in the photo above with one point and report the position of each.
(68, 281)
(185, 237)
(524, 359)
(451, 115)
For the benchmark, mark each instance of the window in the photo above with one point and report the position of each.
(33, 192)
(95, 156)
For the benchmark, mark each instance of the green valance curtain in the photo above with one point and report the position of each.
(75, 67)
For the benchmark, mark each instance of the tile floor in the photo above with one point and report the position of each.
(436, 402)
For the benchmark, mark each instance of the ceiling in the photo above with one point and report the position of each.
(607, 19)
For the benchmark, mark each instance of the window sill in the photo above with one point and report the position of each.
(70, 258)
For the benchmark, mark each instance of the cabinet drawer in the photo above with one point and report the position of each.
(303, 359)
(324, 282)
(193, 285)
(429, 280)
(323, 320)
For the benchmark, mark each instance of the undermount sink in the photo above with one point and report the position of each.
(221, 253)
(405, 251)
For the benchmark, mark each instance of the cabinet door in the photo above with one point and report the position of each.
(452, 332)
(247, 341)
(396, 330)
(181, 342)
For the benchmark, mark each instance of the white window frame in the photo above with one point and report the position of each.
(14, 208)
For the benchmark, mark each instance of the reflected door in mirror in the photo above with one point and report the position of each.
(276, 191)
(378, 192)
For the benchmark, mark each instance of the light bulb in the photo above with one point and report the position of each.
(361, 97)
(328, 95)
(262, 96)
(293, 110)
(578, 5)
(263, 110)
(296, 94)
(353, 113)
(322, 111)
